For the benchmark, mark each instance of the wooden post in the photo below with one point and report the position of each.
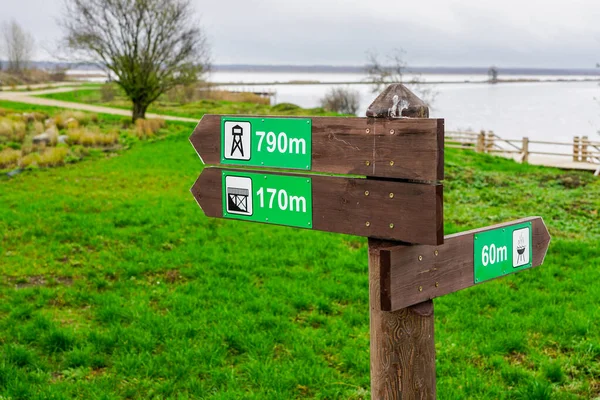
(480, 147)
(576, 148)
(402, 342)
(489, 143)
(525, 150)
(584, 148)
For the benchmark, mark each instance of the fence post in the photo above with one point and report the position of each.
(584, 148)
(576, 148)
(402, 342)
(525, 150)
(480, 146)
(489, 145)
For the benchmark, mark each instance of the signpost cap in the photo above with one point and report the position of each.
(398, 101)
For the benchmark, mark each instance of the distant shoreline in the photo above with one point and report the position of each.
(499, 81)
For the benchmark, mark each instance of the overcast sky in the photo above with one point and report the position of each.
(506, 33)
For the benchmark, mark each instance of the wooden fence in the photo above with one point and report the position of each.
(581, 149)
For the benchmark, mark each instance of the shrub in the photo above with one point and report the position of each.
(9, 157)
(88, 138)
(13, 130)
(148, 127)
(63, 119)
(38, 127)
(6, 129)
(29, 160)
(341, 100)
(53, 157)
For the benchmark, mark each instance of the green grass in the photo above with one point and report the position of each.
(195, 109)
(115, 285)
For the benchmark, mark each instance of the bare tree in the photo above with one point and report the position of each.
(341, 100)
(150, 46)
(18, 46)
(380, 75)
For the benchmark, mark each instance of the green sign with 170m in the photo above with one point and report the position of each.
(502, 251)
(273, 199)
(267, 142)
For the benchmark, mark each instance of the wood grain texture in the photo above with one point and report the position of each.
(405, 280)
(402, 342)
(410, 149)
(341, 205)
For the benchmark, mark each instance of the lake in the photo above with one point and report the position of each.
(547, 110)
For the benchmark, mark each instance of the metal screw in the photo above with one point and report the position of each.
(391, 195)
(308, 122)
(367, 163)
(437, 284)
(265, 177)
(366, 192)
(391, 226)
(420, 258)
(420, 288)
(309, 223)
(391, 131)
(367, 223)
(308, 180)
(392, 163)
(266, 219)
(436, 253)
(263, 120)
(367, 130)
(262, 163)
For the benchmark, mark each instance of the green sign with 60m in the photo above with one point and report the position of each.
(267, 142)
(273, 199)
(502, 251)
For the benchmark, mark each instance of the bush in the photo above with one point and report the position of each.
(63, 119)
(88, 138)
(53, 157)
(9, 158)
(148, 127)
(341, 100)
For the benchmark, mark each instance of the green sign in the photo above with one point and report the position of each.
(274, 199)
(267, 142)
(502, 251)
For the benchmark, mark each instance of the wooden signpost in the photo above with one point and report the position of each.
(263, 170)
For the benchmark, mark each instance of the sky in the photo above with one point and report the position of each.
(479, 33)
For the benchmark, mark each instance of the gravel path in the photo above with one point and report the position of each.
(28, 97)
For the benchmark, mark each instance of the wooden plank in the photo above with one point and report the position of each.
(411, 149)
(413, 274)
(401, 211)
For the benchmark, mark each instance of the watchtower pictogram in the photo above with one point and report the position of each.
(237, 132)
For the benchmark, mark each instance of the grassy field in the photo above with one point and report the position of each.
(115, 285)
(178, 106)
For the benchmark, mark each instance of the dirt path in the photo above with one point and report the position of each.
(28, 98)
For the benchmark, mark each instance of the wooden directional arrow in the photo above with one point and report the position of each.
(411, 148)
(393, 210)
(413, 274)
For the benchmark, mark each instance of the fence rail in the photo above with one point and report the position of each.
(582, 150)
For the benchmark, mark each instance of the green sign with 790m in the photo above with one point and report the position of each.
(502, 251)
(267, 142)
(273, 199)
